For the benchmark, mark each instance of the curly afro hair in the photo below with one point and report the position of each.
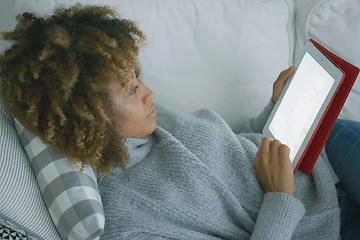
(54, 80)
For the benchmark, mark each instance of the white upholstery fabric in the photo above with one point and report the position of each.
(221, 54)
(336, 25)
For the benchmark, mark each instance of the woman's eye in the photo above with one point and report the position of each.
(134, 91)
(137, 78)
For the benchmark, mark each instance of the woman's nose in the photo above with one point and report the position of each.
(149, 95)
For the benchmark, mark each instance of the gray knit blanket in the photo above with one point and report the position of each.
(193, 178)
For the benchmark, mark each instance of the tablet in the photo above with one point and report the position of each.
(303, 102)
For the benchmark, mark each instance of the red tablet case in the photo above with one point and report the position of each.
(317, 142)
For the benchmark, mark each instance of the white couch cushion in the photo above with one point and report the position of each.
(220, 54)
(336, 25)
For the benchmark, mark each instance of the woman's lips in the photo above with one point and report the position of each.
(152, 114)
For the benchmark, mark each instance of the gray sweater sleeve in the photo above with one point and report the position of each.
(280, 213)
(256, 125)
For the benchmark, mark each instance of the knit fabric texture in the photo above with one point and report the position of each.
(193, 178)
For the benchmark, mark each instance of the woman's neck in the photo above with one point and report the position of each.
(138, 148)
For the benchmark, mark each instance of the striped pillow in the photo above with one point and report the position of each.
(72, 197)
(20, 198)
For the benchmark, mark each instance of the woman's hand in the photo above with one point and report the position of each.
(273, 167)
(280, 83)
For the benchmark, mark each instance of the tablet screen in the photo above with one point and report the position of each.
(302, 101)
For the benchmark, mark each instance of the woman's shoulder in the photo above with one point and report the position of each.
(167, 116)
(201, 125)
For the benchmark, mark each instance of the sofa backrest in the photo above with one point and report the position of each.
(219, 54)
(336, 25)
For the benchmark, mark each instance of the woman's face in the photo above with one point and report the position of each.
(134, 112)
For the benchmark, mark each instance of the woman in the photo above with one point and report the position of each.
(72, 79)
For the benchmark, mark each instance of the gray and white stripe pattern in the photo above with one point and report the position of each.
(71, 196)
(21, 203)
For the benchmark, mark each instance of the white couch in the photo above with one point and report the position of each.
(222, 54)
